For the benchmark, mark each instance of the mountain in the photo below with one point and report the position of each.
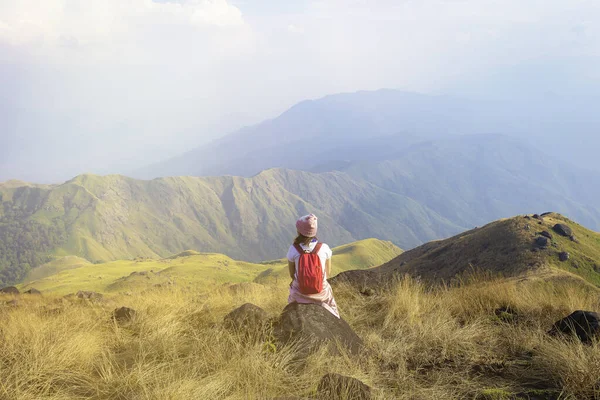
(473, 179)
(508, 248)
(252, 219)
(356, 126)
(375, 125)
(189, 268)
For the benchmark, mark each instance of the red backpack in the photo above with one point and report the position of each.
(310, 270)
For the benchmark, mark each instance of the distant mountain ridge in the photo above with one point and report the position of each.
(115, 217)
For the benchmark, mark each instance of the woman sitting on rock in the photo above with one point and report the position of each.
(309, 263)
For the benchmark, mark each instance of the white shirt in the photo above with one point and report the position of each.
(324, 254)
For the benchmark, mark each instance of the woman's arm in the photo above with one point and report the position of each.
(292, 269)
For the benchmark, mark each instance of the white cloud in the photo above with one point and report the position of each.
(293, 28)
(163, 72)
(48, 22)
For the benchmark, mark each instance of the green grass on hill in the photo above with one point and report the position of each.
(198, 270)
(584, 252)
(362, 254)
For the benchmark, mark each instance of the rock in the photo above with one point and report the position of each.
(573, 239)
(584, 324)
(527, 217)
(368, 292)
(546, 213)
(12, 303)
(546, 234)
(124, 314)
(541, 241)
(340, 387)
(246, 318)
(315, 326)
(536, 216)
(33, 291)
(87, 295)
(564, 256)
(563, 230)
(10, 290)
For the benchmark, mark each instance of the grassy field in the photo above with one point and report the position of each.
(425, 343)
(189, 269)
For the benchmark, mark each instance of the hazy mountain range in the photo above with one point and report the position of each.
(370, 164)
(376, 125)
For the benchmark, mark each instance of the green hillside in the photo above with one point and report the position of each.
(507, 248)
(363, 254)
(197, 270)
(115, 218)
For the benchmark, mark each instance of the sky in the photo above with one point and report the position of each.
(110, 85)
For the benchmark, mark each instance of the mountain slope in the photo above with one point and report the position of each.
(114, 217)
(506, 248)
(474, 179)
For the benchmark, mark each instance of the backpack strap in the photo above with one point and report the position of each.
(317, 248)
(300, 249)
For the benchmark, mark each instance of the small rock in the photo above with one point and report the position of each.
(527, 217)
(546, 213)
(563, 230)
(536, 216)
(546, 234)
(12, 303)
(573, 239)
(340, 387)
(33, 291)
(527, 227)
(10, 290)
(367, 292)
(246, 318)
(564, 256)
(542, 241)
(87, 295)
(124, 314)
(584, 324)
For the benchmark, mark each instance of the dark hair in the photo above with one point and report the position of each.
(305, 240)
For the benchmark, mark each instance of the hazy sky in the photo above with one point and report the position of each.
(107, 85)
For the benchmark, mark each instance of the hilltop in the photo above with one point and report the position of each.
(188, 269)
(523, 246)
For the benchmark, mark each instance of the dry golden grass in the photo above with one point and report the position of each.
(426, 343)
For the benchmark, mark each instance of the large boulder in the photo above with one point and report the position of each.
(563, 230)
(584, 324)
(340, 387)
(248, 318)
(314, 326)
(9, 290)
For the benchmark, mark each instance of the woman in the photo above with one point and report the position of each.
(307, 243)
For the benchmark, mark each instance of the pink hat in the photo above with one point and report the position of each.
(307, 225)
